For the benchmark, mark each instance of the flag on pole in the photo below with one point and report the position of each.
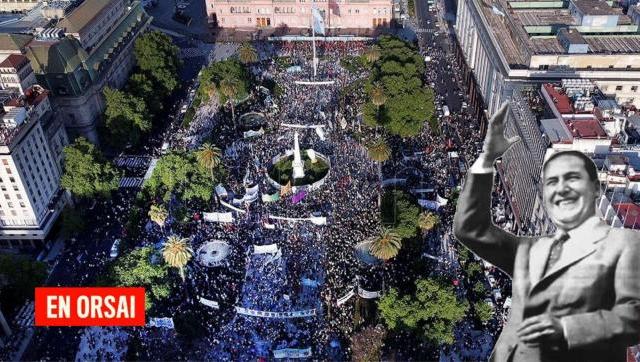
(318, 21)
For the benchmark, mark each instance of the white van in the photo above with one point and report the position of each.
(445, 110)
(115, 249)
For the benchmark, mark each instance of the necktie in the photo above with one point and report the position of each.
(556, 250)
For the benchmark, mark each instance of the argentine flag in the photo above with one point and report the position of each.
(318, 21)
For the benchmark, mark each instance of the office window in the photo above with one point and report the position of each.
(618, 87)
(5, 162)
(634, 88)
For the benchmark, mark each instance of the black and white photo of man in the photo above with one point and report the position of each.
(576, 294)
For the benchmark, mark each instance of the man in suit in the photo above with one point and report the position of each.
(576, 294)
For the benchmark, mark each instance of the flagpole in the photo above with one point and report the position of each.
(313, 41)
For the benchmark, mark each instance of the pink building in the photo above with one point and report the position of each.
(269, 14)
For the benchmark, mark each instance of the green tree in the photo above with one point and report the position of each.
(380, 152)
(211, 76)
(209, 157)
(141, 86)
(432, 312)
(387, 245)
(367, 344)
(73, 222)
(247, 53)
(400, 212)
(484, 311)
(157, 56)
(230, 88)
(428, 221)
(179, 173)
(377, 96)
(158, 214)
(177, 253)
(86, 173)
(479, 289)
(399, 68)
(19, 275)
(136, 269)
(473, 268)
(126, 117)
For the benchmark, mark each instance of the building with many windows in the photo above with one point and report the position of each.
(31, 198)
(270, 14)
(506, 42)
(84, 47)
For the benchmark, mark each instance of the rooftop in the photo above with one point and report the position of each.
(561, 101)
(586, 128)
(517, 45)
(629, 213)
(82, 15)
(15, 61)
(595, 7)
(556, 131)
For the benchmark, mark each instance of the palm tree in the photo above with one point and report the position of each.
(427, 221)
(158, 214)
(373, 54)
(177, 253)
(247, 54)
(378, 98)
(209, 157)
(210, 90)
(230, 87)
(387, 245)
(379, 151)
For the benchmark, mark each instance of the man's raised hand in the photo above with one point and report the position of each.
(495, 143)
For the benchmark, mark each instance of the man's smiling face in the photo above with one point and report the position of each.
(569, 193)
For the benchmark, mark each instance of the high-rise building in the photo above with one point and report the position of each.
(506, 42)
(296, 14)
(87, 47)
(31, 197)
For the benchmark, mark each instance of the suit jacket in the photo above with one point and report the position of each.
(594, 288)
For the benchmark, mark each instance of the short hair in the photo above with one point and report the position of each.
(589, 166)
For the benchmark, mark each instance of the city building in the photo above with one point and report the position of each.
(16, 72)
(90, 47)
(32, 198)
(296, 14)
(569, 115)
(518, 170)
(8, 6)
(504, 43)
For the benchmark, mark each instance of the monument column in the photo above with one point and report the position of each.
(298, 166)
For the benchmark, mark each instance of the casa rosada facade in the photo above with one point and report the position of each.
(338, 14)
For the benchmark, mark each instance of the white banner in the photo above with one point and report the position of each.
(345, 298)
(265, 249)
(161, 322)
(441, 200)
(217, 216)
(232, 207)
(428, 204)
(209, 303)
(280, 315)
(221, 191)
(394, 182)
(367, 294)
(292, 353)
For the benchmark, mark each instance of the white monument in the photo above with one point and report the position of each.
(298, 165)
